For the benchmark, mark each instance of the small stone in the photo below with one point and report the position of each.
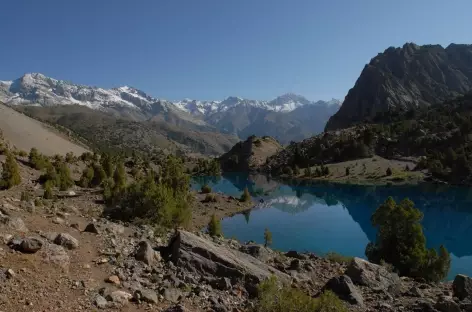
(91, 228)
(102, 260)
(10, 273)
(113, 280)
(58, 220)
(101, 302)
(67, 241)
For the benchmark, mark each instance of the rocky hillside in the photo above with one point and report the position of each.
(405, 78)
(288, 117)
(23, 133)
(250, 154)
(107, 132)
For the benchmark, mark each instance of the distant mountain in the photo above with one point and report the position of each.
(288, 117)
(405, 78)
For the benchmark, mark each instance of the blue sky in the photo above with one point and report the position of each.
(211, 49)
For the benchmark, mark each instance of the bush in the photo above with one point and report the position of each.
(206, 189)
(267, 237)
(307, 172)
(25, 196)
(214, 226)
(246, 196)
(210, 198)
(22, 154)
(37, 160)
(389, 171)
(70, 159)
(64, 180)
(10, 173)
(401, 242)
(272, 298)
(48, 194)
(333, 256)
(159, 200)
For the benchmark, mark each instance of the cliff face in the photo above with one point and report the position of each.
(406, 77)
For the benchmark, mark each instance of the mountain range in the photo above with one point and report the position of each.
(288, 117)
(406, 78)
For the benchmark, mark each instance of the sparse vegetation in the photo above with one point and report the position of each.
(10, 173)
(214, 226)
(389, 171)
(275, 298)
(206, 189)
(48, 193)
(210, 198)
(333, 256)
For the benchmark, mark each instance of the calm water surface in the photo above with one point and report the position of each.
(326, 217)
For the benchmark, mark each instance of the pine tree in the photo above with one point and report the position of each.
(10, 173)
(267, 237)
(48, 194)
(214, 226)
(389, 171)
(246, 196)
(87, 177)
(347, 171)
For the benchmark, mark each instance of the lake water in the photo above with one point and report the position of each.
(324, 217)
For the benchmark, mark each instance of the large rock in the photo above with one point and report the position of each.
(364, 273)
(145, 253)
(257, 251)
(345, 289)
(462, 286)
(201, 255)
(56, 255)
(67, 241)
(13, 223)
(447, 304)
(26, 245)
(119, 298)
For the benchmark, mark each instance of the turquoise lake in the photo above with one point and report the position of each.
(324, 217)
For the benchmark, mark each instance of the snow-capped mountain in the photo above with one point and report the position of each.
(232, 115)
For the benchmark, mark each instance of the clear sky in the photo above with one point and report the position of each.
(211, 49)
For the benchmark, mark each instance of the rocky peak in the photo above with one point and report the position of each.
(406, 77)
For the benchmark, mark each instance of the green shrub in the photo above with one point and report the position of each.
(214, 226)
(333, 256)
(206, 189)
(64, 180)
(48, 193)
(267, 237)
(37, 160)
(70, 158)
(25, 196)
(38, 202)
(22, 154)
(401, 242)
(210, 198)
(275, 298)
(159, 200)
(10, 173)
(307, 172)
(246, 196)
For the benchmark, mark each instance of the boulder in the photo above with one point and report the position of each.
(92, 228)
(100, 302)
(145, 253)
(119, 297)
(26, 245)
(145, 295)
(55, 254)
(446, 304)
(172, 294)
(257, 251)
(362, 272)
(13, 223)
(222, 283)
(67, 241)
(198, 254)
(345, 289)
(295, 254)
(462, 286)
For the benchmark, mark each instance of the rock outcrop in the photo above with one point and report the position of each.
(406, 77)
(249, 155)
(203, 256)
